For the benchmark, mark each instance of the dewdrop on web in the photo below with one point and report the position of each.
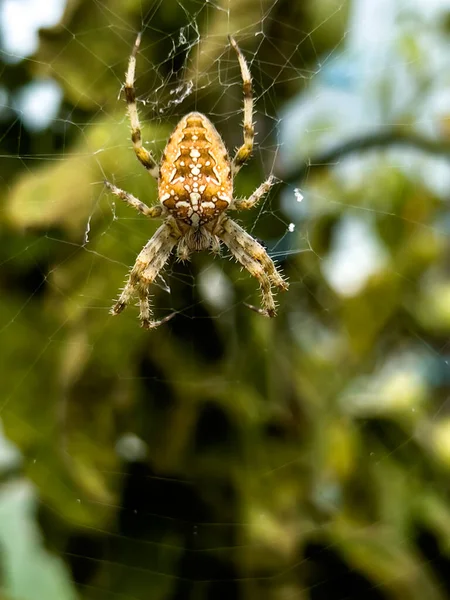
(298, 195)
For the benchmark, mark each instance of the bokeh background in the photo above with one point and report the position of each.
(227, 456)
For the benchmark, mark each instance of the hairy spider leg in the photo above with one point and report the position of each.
(144, 156)
(251, 201)
(149, 263)
(153, 213)
(245, 151)
(257, 251)
(251, 255)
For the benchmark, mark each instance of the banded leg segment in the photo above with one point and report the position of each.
(255, 259)
(244, 152)
(149, 263)
(246, 203)
(256, 251)
(153, 213)
(144, 156)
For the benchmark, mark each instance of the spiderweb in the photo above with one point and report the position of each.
(225, 455)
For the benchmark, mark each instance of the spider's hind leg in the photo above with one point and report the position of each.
(143, 155)
(245, 151)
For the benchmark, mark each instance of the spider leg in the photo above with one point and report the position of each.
(153, 212)
(246, 203)
(145, 314)
(255, 259)
(257, 251)
(244, 152)
(143, 155)
(215, 246)
(149, 263)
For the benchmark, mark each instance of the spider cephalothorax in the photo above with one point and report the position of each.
(195, 188)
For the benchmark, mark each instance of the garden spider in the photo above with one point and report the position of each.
(195, 188)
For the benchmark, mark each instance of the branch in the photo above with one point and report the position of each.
(389, 139)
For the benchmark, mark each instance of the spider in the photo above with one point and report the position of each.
(195, 189)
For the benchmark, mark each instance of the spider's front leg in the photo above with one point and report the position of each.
(255, 259)
(149, 263)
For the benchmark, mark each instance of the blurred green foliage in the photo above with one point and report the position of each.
(223, 455)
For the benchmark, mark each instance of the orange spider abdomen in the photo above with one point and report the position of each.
(195, 182)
